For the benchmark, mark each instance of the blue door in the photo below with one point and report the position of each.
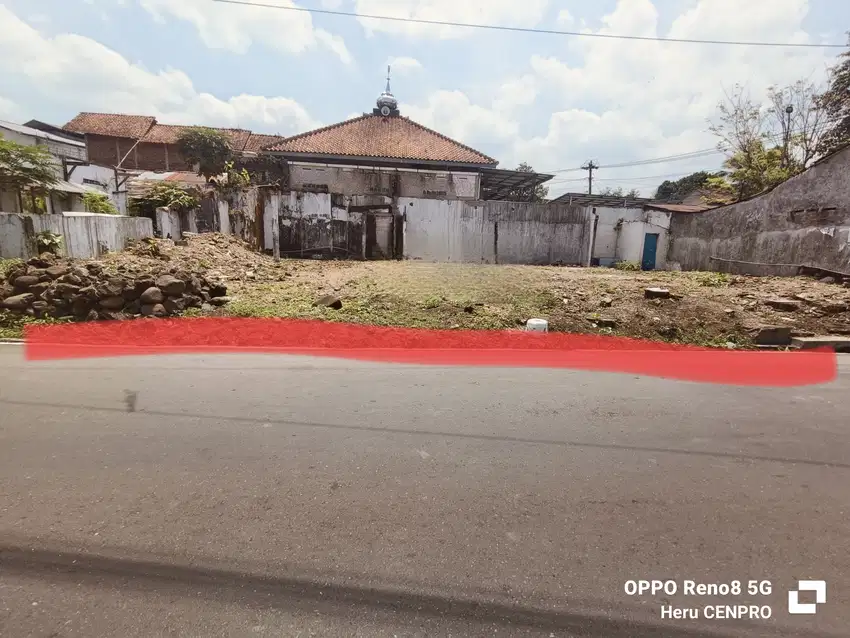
(650, 247)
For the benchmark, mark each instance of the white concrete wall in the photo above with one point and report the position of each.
(103, 179)
(445, 231)
(84, 236)
(620, 234)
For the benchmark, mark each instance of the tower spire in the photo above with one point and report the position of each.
(387, 105)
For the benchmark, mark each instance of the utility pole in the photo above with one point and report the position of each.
(590, 167)
(788, 111)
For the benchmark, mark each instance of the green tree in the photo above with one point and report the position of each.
(676, 191)
(754, 170)
(835, 103)
(206, 147)
(26, 168)
(535, 194)
(619, 192)
(164, 195)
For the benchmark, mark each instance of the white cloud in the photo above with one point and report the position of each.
(452, 114)
(77, 74)
(8, 110)
(515, 93)
(404, 65)
(565, 18)
(627, 100)
(236, 27)
(496, 12)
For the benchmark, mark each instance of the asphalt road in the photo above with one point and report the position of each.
(261, 495)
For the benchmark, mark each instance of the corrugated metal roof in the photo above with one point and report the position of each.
(78, 189)
(34, 132)
(376, 136)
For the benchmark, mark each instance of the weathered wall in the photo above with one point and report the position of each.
(620, 234)
(446, 231)
(353, 180)
(84, 235)
(802, 222)
(494, 232)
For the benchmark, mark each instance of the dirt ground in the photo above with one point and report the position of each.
(705, 308)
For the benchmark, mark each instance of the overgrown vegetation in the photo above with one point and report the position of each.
(835, 104)
(29, 170)
(165, 195)
(207, 148)
(99, 203)
(712, 279)
(627, 265)
(48, 242)
(12, 325)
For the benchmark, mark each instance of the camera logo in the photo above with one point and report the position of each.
(794, 604)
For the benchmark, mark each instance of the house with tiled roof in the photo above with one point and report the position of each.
(385, 152)
(140, 142)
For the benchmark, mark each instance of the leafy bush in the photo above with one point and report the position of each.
(713, 279)
(48, 242)
(627, 265)
(165, 195)
(99, 203)
(206, 147)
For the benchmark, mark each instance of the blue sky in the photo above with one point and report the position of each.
(550, 100)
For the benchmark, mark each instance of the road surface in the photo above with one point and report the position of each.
(262, 495)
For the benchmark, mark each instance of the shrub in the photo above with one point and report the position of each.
(627, 265)
(99, 203)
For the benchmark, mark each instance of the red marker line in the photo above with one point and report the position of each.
(429, 347)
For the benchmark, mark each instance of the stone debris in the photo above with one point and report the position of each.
(329, 301)
(784, 305)
(46, 287)
(656, 293)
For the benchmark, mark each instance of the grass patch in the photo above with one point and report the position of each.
(630, 266)
(6, 265)
(12, 325)
(712, 279)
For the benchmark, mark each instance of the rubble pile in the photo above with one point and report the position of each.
(47, 286)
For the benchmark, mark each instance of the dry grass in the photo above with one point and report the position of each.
(713, 309)
(710, 308)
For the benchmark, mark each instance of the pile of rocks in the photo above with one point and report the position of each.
(47, 287)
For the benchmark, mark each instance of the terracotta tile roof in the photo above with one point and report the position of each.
(382, 137)
(169, 134)
(111, 124)
(258, 141)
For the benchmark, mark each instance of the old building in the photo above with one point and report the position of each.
(139, 142)
(628, 229)
(385, 154)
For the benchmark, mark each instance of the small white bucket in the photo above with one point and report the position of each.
(537, 325)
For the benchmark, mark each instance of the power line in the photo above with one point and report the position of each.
(622, 178)
(654, 160)
(496, 27)
(668, 158)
